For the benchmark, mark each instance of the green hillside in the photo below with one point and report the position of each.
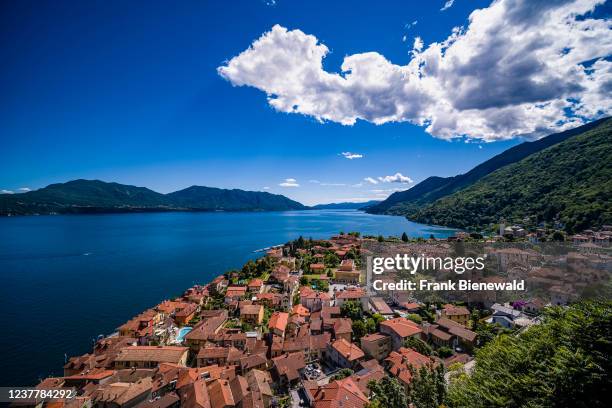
(209, 198)
(95, 196)
(434, 188)
(570, 181)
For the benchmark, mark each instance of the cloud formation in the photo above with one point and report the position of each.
(371, 180)
(351, 156)
(396, 178)
(24, 189)
(519, 68)
(447, 5)
(289, 182)
(6, 192)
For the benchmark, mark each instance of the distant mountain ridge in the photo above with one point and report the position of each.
(95, 196)
(345, 205)
(433, 188)
(569, 182)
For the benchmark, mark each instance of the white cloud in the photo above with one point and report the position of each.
(418, 44)
(447, 5)
(519, 68)
(7, 192)
(25, 189)
(351, 156)
(396, 178)
(266, 188)
(371, 180)
(289, 182)
(314, 181)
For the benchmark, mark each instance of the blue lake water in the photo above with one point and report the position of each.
(67, 279)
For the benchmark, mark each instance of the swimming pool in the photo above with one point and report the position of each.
(181, 334)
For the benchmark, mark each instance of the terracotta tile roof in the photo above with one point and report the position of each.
(220, 394)
(372, 371)
(169, 306)
(189, 308)
(278, 321)
(161, 354)
(343, 326)
(235, 291)
(289, 365)
(319, 341)
(239, 388)
(441, 334)
(300, 310)
(374, 337)
(340, 394)
(411, 306)
(452, 310)
(168, 400)
(121, 393)
(250, 309)
(308, 293)
(456, 329)
(402, 326)
(381, 306)
(399, 363)
(214, 372)
(260, 381)
(254, 360)
(317, 267)
(255, 282)
(92, 375)
(347, 350)
(207, 327)
(230, 354)
(351, 293)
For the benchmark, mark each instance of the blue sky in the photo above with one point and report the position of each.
(130, 92)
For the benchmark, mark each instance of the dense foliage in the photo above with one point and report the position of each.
(564, 362)
(433, 188)
(387, 393)
(94, 196)
(570, 181)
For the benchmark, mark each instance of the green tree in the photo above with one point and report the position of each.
(359, 329)
(415, 318)
(418, 345)
(566, 361)
(428, 387)
(404, 237)
(331, 260)
(323, 285)
(352, 310)
(558, 236)
(387, 393)
(444, 352)
(341, 374)
(380, 238)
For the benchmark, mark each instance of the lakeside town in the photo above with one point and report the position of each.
(298, 327)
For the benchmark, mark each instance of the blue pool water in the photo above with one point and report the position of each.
(182, 332)
(68, 279)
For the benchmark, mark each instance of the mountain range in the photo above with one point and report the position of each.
(95, 196)
(345, 205)
(566, 176)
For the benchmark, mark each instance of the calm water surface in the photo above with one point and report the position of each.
(67, 279)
